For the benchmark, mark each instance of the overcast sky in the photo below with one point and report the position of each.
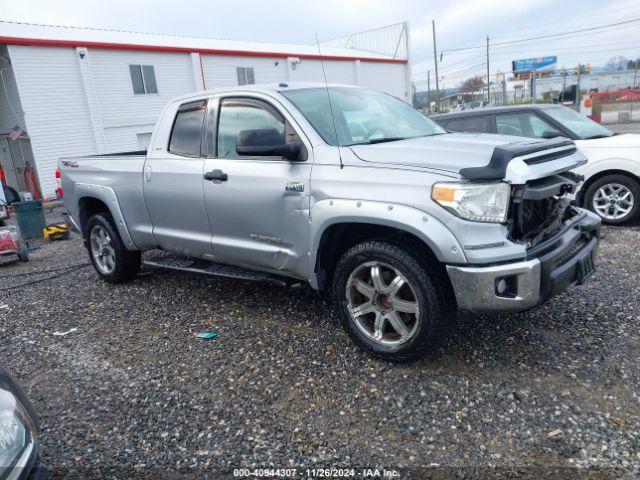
(459, 23)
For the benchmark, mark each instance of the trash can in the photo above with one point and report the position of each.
(30, 218)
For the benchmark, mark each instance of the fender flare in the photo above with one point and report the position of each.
(108, 196)
(424, 226)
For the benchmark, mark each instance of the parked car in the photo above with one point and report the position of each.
(363, 197)
(19, 434)
(612, 174)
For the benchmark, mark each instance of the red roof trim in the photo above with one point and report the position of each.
(41, 42)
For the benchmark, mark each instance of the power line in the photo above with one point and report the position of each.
(553, 35)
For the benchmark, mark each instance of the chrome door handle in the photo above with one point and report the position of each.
(147, 173)
(216, 176)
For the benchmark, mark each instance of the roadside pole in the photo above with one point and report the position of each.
(488, 77)
(504, 89)
(533, 85)
(435, 60)
(564, 85)
(633, 90)
(429, 92)
(578, 94)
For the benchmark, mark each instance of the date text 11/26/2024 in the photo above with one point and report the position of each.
(316, 473)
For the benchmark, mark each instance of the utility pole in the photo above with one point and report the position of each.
(488, 78)
(435, 60)
(578, 94)
(633, 90)
(564, 85)
(533, 85)
(429, 92)
(504, 89)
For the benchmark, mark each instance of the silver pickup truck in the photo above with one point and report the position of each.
(349, 190)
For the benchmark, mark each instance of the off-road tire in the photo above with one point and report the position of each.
(127, 263)
(628, 182)
(434, 297)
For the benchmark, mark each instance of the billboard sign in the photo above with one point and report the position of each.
(531, 64)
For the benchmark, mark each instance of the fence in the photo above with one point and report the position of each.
(613, 96)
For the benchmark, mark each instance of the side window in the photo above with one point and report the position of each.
(186, 134)
(523, 124)
(475, 124)
(238, 114)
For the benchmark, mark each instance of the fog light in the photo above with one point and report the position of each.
(501, 286)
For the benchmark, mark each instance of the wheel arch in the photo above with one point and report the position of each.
(337, 226)
(93, 199)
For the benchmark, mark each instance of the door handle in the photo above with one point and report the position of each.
(147, 173)
(216, 175)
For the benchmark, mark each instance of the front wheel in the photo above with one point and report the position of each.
(390, 301)
(113, 262)
(614, 198)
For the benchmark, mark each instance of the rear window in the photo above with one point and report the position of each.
(477, 123)
(186, 135)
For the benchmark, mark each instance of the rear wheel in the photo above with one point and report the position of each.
(614, 198)
(113, 262)
(389, 300)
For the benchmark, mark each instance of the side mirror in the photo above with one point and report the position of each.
(552, 134)
(266, 142)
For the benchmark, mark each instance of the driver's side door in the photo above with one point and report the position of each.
(258, 206)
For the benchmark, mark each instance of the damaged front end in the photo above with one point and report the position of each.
(539, 209)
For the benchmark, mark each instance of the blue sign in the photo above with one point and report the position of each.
(531, 64)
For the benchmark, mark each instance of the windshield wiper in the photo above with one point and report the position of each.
(600, 135)
(378, 140)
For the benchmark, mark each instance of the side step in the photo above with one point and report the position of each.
(206, 267)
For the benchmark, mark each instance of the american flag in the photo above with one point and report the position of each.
(15, 133)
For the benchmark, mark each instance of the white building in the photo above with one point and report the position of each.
(80, 91)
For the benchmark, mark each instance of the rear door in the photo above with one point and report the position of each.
(173, 183)
(258, 206)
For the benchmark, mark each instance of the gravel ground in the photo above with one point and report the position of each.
(132, 393)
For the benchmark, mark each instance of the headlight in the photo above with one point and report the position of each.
(480, 202)
(14, 434)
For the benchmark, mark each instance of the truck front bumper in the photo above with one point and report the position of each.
(551, 267)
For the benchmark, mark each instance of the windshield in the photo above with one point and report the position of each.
(578, 124)
(361, 116)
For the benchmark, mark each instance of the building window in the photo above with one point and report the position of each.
(143, 79)
(245, 76)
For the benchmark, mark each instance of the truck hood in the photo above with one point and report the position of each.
(451, 152)
(624, 140)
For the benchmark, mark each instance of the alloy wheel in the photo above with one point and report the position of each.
(613, 201)
(382, 303)
(102, 250)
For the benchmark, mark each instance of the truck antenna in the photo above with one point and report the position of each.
(333, 118)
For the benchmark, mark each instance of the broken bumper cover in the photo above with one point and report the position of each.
(551, 267)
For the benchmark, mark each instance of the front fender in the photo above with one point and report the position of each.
(408, 219)
(108, 196)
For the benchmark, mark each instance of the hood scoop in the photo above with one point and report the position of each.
(532, 153)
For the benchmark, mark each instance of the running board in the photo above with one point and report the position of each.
(216, 269)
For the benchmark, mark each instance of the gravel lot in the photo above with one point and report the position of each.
(133, 393)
